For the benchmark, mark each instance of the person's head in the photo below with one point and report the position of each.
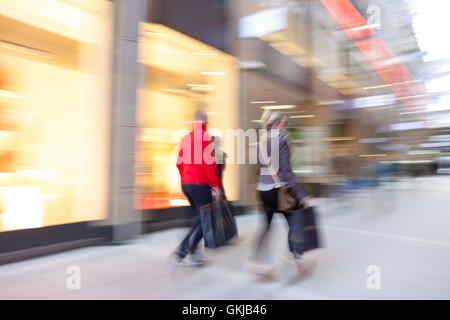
(201, 117)
(284, 121)
(264, 117)
(274, 121)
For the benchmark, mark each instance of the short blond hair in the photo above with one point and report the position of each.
(273, 119)
(265, 116)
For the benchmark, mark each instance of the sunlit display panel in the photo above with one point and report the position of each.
(53, 112)
(181, 76)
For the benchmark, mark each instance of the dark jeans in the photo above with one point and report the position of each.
(270, 204)
(198, 196)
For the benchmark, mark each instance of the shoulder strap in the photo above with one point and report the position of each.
(268, 162)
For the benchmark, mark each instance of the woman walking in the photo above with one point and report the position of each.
(276, 171)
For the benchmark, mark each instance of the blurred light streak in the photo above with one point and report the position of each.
(280, 107)
(372, 155)
(348, 18)
(434, 145)
(374, 49)
(21, 207)
(369, 26)
(340, 139)
(178, 202)
(159, 34)
(372, 140)
(9, 94)
(263, 102)
(213, 73)
(302, 116)
(205, 53)
(407, 126)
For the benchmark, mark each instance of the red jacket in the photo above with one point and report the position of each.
(196, 161)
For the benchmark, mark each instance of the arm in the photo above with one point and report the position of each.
(180, 159)
(288, 174)
(209, 163)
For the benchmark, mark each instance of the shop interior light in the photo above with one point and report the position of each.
(4, 133)
(329, 102)
(251, 65)
(263, 102)
(279, 107)
(372, 140)
(178, 202)
(391, 84)
(423, 152)
(291, 112)
(213, 73)
(411, 97)
(302, 116)
(205, 53)
(405, 82)
(377, 87)
(340, 139)
(201, 87)
(9, 94)
(158, 34)
(372, 155)
(369, 26)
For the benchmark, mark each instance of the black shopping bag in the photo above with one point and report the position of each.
(303, 234)
(229, 222)
(218, 223)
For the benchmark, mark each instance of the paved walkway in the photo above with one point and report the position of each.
(402, 228)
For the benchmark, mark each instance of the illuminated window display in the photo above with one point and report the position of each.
(54, 71)
(181, 76)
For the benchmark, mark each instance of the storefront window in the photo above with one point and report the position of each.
(182, 75)
(53, 112)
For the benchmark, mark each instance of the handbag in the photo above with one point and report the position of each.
(304, 235)
(218, 223)
(287, 200)
(229, 222)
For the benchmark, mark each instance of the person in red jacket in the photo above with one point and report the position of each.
(200, 180)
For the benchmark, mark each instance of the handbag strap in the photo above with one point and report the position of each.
(269, 163)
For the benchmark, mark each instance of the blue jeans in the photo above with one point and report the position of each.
(198, 195)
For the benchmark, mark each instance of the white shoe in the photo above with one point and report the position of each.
(194, 260)
(261, 271)
(175, 264)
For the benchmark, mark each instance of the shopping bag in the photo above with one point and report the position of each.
(303, 232)
(229, 222)
(218, 223)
